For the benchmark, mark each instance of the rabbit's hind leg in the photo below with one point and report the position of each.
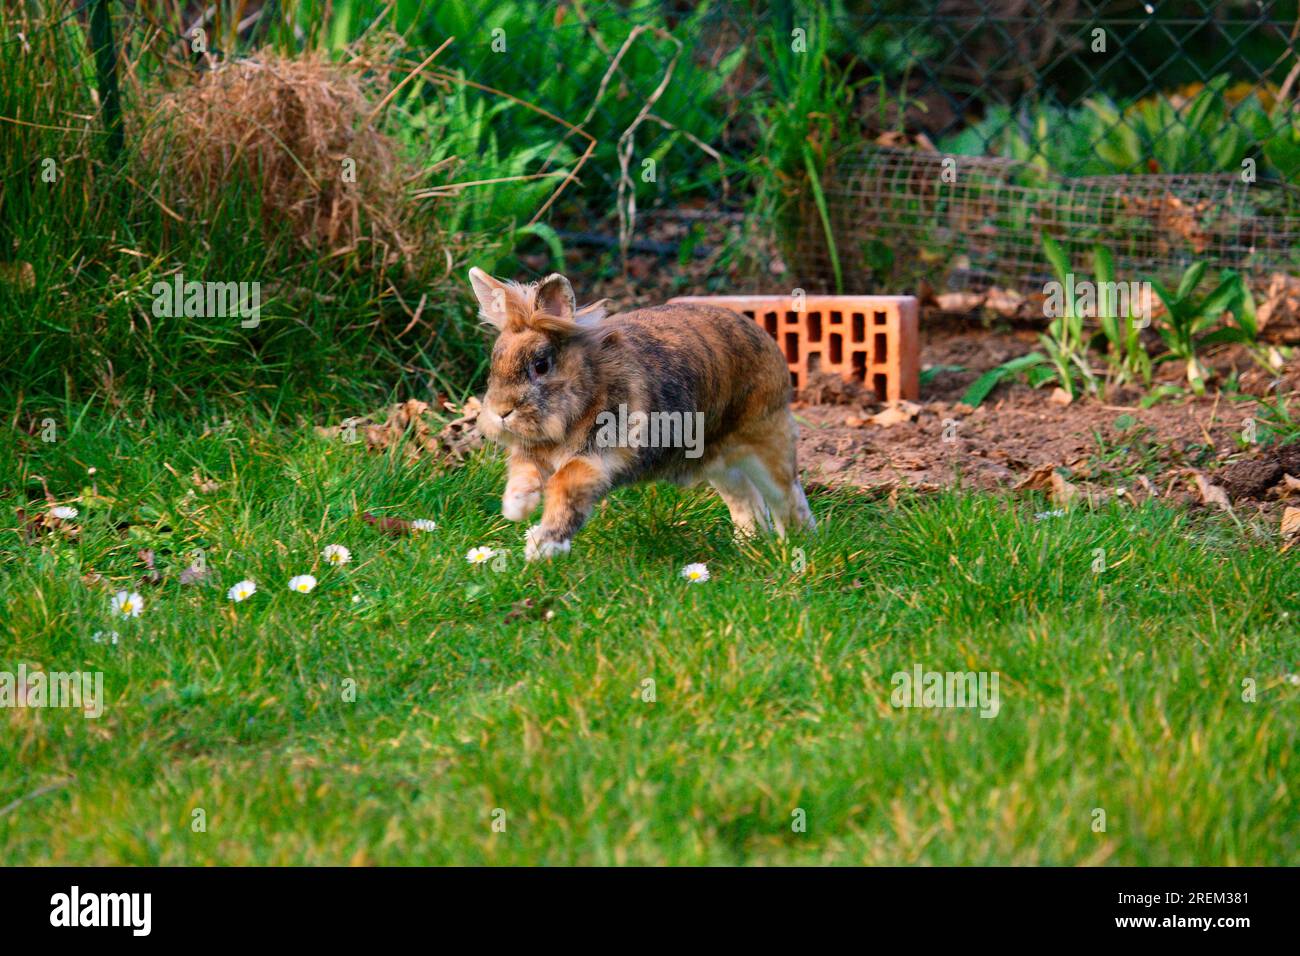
(749, 512)
(770, 465)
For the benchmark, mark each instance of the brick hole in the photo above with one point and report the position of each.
(880, 383)
(794, 379)
(879, 318)
(791, 318)
(747, 312)
(859, 327)
(814, 326)
(860, 366)
(792, 347)
(882, 348)
(837, 318)
(769, 323)
(814, 362)
(837, 348)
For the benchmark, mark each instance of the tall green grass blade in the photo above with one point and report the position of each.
(814, 183)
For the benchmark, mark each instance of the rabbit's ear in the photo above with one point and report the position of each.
(590, 316)
(491, 294)
(555, 297)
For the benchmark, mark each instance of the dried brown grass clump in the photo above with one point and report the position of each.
(288, 125)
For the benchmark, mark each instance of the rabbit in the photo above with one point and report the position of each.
(562, 378)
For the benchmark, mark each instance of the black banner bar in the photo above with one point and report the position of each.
(333, 906)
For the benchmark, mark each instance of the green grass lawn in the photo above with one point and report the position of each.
(1120, 690)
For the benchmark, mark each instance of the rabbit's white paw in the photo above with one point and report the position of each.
(537, 546)
(518, 505)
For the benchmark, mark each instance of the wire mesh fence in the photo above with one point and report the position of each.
(900, 217)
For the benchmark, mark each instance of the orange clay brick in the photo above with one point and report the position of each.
(871, 338)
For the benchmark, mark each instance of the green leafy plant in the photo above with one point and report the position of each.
(1211, 132)
(928, 375)
(1064, 341)
(1191, 323)
(805, 123)
(1126, 357)
(1278, 426)
(463, 137)
(980, 388)
(1199, 137)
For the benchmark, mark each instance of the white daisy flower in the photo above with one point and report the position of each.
(696, 573)
(64, 512)
(102, 637)
(244, 590)
(302, 583)
(336, 554)
(128, 605)
(423, 524)
(479, 555)
(356, 599)
(1292, 679)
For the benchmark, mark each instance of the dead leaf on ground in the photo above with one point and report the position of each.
(151, 574)
(527, 607)
(1060, 491)
(897, 139)
(20, 274)
(1174, 219)
(1005, 302)
(1278, 315)
(896, 414)
(1290, 526)
(959, 301)
(1212, 494)
(205, 485)
(1040, 479)
(1291, 522)
(396, 527)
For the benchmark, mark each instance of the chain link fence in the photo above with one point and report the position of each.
(1167, 131)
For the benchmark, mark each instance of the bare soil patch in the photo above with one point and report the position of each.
(845, 440)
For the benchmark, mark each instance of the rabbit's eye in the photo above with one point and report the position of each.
(541, 366)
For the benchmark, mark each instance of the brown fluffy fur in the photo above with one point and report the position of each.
(556, 368)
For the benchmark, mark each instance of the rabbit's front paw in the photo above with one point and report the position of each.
(537, 545)
(518, 505)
